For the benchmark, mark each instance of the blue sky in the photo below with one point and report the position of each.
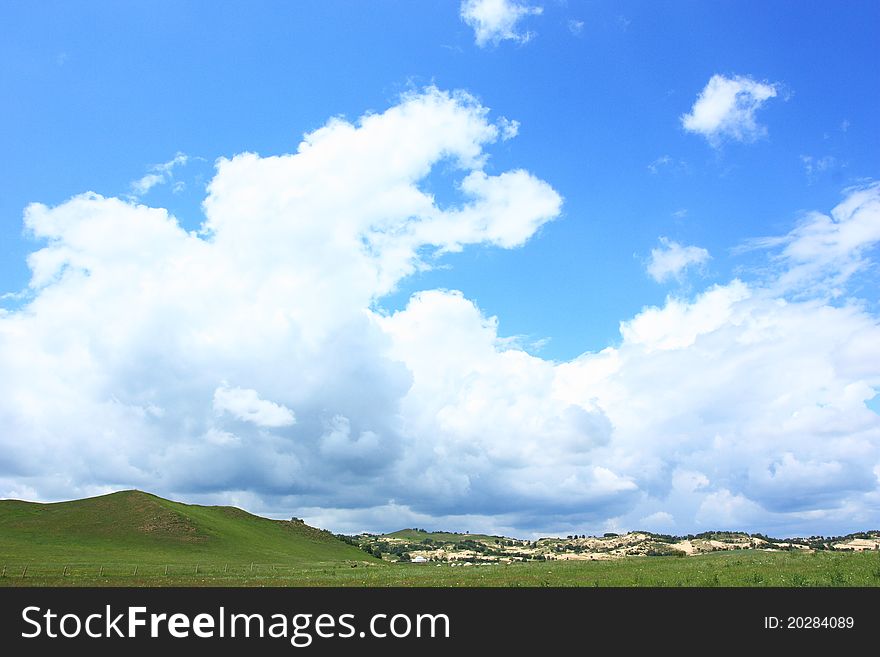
(99, 92)
(99, 95)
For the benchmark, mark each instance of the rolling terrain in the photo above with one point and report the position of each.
(132, 527)
(131, 538)
(418, 544)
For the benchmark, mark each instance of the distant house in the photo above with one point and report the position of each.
(419, 559)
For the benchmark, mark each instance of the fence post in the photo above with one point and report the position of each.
(102, 571)
(64, 572)
(135, 571)
(4, 570)
(166, 569)
(225, 568)
(197, 569)
(24, 572)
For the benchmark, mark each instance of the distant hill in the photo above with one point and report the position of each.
(407, 544)
(418, 535)
(133, 526)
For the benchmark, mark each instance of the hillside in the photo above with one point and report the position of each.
(136, 527)
(407, 544)
(419, 535)
(133, 538)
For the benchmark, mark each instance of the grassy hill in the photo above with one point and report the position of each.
(132, 538)
(133, 527)
(418, 535)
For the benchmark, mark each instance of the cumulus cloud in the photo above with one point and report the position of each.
(726, 108)
(509, 129)
(118, 366)
(502, 436)
(825, 250)
(762, 414)
(250, 362)
(671, 259)
(494, 21)
(159, 175)
(246, 405)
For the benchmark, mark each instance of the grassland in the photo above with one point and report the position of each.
(136, 528)
(136, 539)
(744, 568)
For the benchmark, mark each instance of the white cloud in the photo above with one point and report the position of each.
(662, 161)
(142, 185)
(159, 175)
(671, 259)
(665, 163)
(824, 251)
(659, 521)
(726, 108)
(678, 324)
(246, 405)
(494, 21)
(501, 433)
(509, 129)
(725, 509)
(735, 415)
(741, 407)
(816, 165)
(575, 26)
(135, 324)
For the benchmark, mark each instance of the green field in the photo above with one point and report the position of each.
(136, 539)
(743, 568)
(139, 529)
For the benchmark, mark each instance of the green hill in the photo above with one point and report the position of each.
(136, 527)
(418, 535)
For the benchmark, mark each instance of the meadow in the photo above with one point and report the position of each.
(132, 538)
(742, 568)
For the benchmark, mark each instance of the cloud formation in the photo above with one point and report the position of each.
(576, 27)
(726, 108)
(251, 362)
(671, 259)
(159, 174)
(824, 251)
(246, 405)
(814, 166)
(494, 21)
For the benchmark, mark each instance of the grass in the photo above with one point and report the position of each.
(741, 568)
(136, 539)
(133, 528)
